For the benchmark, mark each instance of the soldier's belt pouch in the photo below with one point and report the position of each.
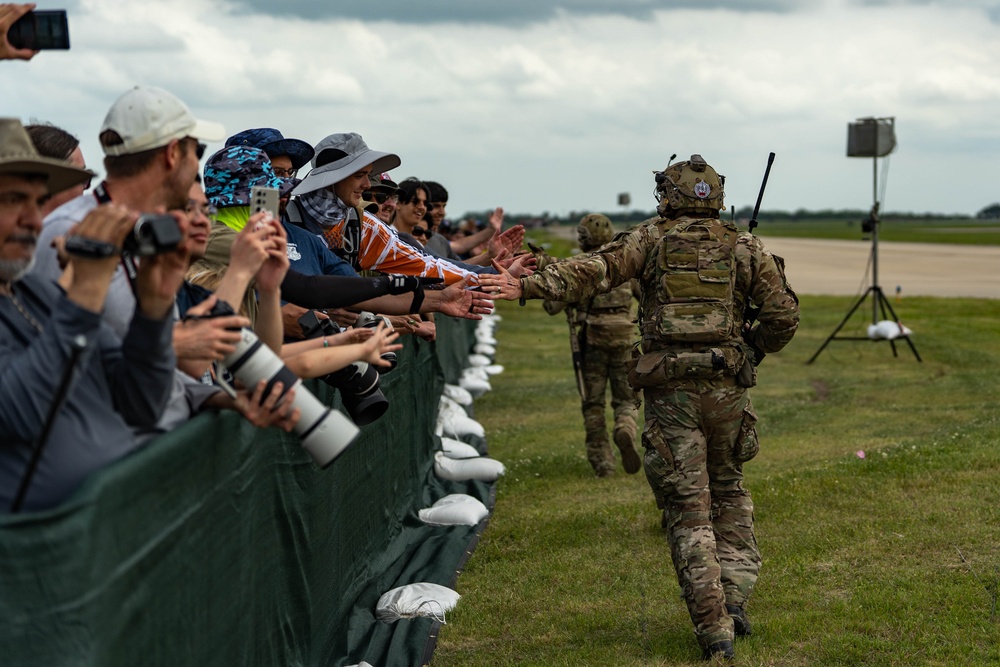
(746, 377)
(657, 368)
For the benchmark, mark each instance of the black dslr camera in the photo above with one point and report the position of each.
(357, 383)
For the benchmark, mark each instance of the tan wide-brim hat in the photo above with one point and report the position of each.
(19, 157)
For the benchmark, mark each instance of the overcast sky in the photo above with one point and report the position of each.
(559, 106)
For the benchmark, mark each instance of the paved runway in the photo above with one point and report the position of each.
(925, 269)
(816, 266)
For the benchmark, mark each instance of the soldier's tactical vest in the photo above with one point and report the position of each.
(695, 277)
(610, 323)
(692, 319)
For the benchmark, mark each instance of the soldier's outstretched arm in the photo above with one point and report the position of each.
(581, 277)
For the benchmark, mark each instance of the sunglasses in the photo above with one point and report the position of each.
(281, 172)
(382, 197)
(421, 231)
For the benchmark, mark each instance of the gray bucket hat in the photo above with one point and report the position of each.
(340, 155)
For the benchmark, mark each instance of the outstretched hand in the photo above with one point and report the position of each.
(501, 285)
(522, 265)
(457, 300)
(382, 342)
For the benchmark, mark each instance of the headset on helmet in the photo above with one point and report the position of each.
(693, 184)
(594, 231)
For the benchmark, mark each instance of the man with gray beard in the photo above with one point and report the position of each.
(46, 328)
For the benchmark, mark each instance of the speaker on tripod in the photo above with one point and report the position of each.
(874, 138)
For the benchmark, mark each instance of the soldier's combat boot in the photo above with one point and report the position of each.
(719, 652)
(625, 440)
(741, 624)
(605, 470)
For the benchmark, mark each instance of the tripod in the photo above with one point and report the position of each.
(879, 303)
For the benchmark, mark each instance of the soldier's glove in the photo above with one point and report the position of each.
(756, 354)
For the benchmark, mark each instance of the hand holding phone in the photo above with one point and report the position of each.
(30, 30)
(264, 199)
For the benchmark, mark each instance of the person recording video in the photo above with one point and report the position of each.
(48, 329)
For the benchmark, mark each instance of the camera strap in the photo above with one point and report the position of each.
(128, 262)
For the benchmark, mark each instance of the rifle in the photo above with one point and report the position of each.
(574, 317)
(750, 311)
(578, 345)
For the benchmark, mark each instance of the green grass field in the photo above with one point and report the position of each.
(891, 559)
(914, 230)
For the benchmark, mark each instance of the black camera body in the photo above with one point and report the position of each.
(358, 383)
(153, 234)
(368, 320)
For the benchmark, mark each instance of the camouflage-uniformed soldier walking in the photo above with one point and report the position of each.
(699, 274)
(602, 331)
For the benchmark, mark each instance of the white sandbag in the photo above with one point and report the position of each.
(423, 599)
(456, 509)
(457, 426)
(456, 449)
(493, 369)
(448, 403)
(481, 468)
(451, 406)
(483, 348)
(479, 360)
(888, 330)
(477, 372)
(475, 384)
(457, 394)
(485, 337)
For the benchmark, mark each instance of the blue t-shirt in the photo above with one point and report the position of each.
(309, 255)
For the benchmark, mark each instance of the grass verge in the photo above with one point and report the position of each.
(891, 559)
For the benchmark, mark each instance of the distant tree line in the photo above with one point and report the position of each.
(743, 213)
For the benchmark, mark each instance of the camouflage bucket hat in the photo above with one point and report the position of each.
(233, 171)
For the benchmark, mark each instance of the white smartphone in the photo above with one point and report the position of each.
(264, 199)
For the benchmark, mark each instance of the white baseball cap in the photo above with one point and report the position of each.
(147, 117)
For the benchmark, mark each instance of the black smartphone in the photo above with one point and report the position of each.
(40, 29)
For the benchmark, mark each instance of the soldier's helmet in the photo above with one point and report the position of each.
(693, 184)
(594, 231)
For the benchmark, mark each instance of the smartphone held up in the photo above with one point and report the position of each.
(40, 30)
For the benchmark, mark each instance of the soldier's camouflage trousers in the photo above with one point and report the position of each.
(697, 435)
(600, 367)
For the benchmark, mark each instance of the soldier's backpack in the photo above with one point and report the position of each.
(696, 276)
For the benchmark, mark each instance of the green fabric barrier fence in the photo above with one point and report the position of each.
(223, 544)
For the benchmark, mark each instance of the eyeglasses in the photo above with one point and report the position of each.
(382, 197)
(281, 172)
(420, 231)
(207, 210)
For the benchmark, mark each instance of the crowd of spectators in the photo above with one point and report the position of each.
(111, 289)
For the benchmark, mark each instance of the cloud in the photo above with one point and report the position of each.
(510, 13)
(564, 113)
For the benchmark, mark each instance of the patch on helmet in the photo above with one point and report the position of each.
(702, 189)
